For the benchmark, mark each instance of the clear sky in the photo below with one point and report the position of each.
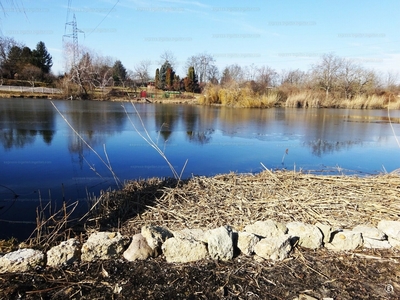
(286, 34)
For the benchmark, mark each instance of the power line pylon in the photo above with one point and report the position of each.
(74, 36)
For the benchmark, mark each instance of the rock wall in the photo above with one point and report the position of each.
(266, 239)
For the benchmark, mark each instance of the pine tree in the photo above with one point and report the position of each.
(163, 74)
(119, 72)
(191, 82)
(157, 79)
(41, 58)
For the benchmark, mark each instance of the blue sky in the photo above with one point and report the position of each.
(280, 34)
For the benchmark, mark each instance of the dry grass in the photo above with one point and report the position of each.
(303, 99)
(238, 200)
(237, 97)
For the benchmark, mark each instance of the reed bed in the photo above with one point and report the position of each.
(240, 199)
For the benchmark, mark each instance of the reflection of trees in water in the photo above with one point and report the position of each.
(94, 123)
(200, 137)
(320, 147)
(166, 117)
(24, 119)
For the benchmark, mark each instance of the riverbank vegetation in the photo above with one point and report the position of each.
(332, 81)
(227, 199)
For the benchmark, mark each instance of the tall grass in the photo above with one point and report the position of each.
(238, 97)
(304, 99)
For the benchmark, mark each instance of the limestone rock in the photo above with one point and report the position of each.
(345, 240)
(309, 235)
(138, 249)
(370, 232)
(22, 260)
(376, 244)
(155, 236)
(177, 250)
(220, 243)
(326, 231)
(246, 242)
(191, 234)
(266, 229)
(64, 254)
(103, 245)
(275, 248)
(394, 243)
(390, 228)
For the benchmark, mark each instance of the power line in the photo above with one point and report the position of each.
(104, 18)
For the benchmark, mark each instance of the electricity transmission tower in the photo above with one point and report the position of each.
(74, 36)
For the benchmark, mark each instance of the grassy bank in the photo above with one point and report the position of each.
(245, 97)
(240, 199)
(235, 200)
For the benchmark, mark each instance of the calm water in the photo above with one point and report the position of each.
(42, 158)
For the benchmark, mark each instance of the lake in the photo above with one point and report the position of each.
(44, 161)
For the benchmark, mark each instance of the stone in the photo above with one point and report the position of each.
(155, 236)
(65, 253)
(326, 231)
(246, 242)
(191, 234)
(394, 243)
(177, 250)
(103, 245)
(371, 232)
(309, 235)
(390, 228)
(22, 260)
(376, 244)
(138, 249)
(306, 297)
(266, 229)
(220, 243)
(345, 240)
(274, 248)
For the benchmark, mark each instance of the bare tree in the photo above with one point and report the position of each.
(232, 74)
(267, 76)
(167, 55)
(293, 77)
(326, 73)
(213, 75)
(202, 64)
(251, 72)
(349, 74)
(142, 71)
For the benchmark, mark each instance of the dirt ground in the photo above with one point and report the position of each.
(319, 274)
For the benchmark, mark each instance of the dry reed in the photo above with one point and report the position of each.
(240, 199)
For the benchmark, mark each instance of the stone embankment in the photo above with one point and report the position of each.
(263, 239)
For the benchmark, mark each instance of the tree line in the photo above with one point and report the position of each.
(332, 75)
(18, 61)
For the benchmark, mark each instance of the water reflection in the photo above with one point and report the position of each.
(93, 123)
(320, 147)
(21, 122)
(213, 139)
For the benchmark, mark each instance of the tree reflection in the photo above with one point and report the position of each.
(24, 119)
(320, 147)
(200, 137)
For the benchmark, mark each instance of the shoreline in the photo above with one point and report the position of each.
(189, 101)
(235, 200)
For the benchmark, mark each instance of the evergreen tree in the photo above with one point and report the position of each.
(157, 79)
(163, 74)
(13, 63)
(119, 72)
(41, 58)
(191, 82)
